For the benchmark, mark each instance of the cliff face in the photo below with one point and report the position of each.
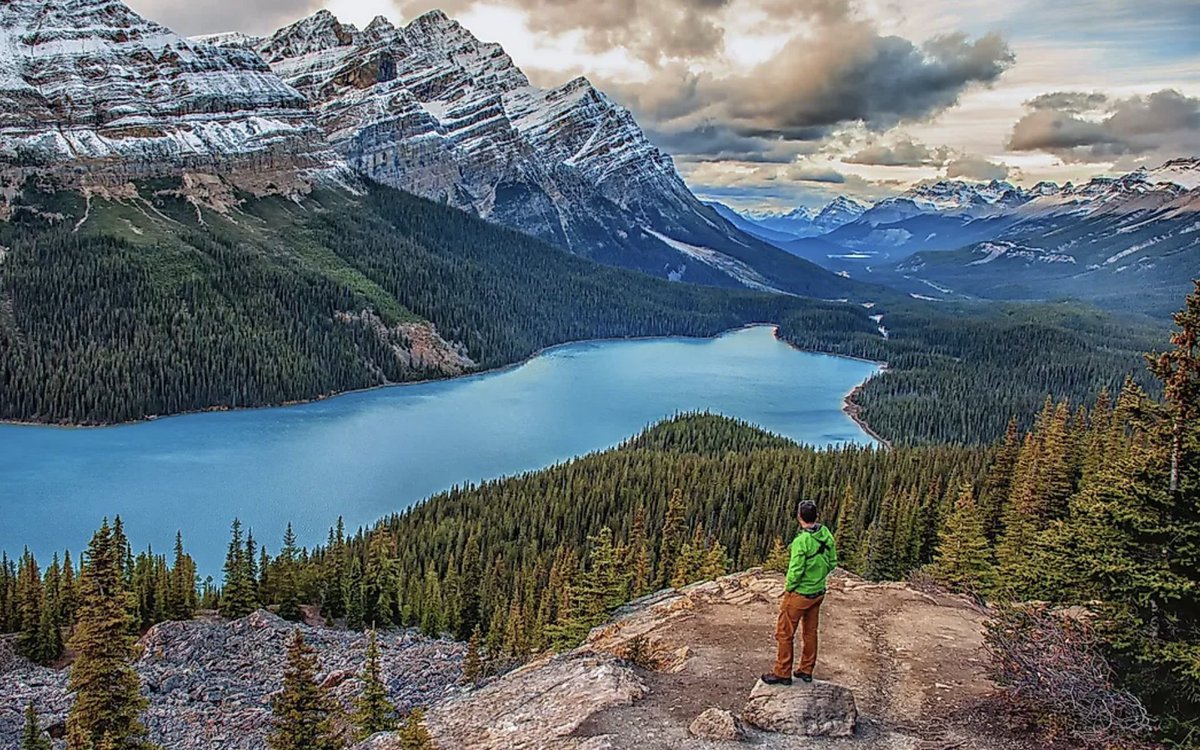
(92, 93)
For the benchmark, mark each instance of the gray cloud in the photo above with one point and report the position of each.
(189, 17)
(903, 153)
(1138, 128)
(976, 168)
(803, 173)
(656, 31)
(838, 69)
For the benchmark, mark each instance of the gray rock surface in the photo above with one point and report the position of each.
(210, 682)
(816, 709)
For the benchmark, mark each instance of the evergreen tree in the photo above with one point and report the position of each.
(379, 580)
(638, 563)
(413, 735)
(108, 701)
(238, 595)
(964, 558)
(473, 662)
(182, 592)
(373, 709)
(849, 531)
(302, 711)
(287, 589)
(671, 538)
(32, 736)
(779, 557)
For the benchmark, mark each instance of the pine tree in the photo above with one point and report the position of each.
(31, 604)
(238, 595)
(638, 563)
(108, 701)
(779, 557)
(964, 558)
(183, 583)
(379, 580)
(849, 531)
(473, 662)
(716, 562)
(413, 735)
(287, 589)
(672, 539)
(32, 736)
(373, 709)
(302, 711)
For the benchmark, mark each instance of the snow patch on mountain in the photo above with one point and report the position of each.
(718, 260)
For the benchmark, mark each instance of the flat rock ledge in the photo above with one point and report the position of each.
(815, 709)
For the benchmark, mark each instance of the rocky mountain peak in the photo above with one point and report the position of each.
(320, 31)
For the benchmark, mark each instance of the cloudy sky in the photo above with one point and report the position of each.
(773, 103)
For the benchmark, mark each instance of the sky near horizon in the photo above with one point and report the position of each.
(767, 104)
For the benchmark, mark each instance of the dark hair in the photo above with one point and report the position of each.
(807, 511)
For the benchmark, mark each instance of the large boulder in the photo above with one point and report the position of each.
(717, 724)
(814, 709)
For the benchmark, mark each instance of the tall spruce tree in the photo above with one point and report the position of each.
(671, 539)
(239, 596)
(287, 585)
(33, 737)
(373, 709)
(964, 557)
(302, 712)
(108, 701)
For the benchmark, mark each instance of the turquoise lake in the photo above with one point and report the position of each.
(364, 455)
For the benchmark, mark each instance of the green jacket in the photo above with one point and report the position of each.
(809, 565)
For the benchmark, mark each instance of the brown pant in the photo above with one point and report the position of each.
(796, 611)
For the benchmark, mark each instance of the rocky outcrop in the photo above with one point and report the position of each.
(899, 669)
(210, 683)
(815, 709)
(536, 706)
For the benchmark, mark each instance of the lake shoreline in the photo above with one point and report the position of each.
(850, 408)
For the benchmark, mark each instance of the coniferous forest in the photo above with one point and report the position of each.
(1095, 504)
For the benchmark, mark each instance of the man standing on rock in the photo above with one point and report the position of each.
(813, 556)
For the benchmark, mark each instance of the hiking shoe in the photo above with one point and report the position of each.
(803, 677)
(771, 679)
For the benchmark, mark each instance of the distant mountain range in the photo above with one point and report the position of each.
(96, 96)
(1132, 240)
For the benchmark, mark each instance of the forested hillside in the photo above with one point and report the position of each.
(959, 372)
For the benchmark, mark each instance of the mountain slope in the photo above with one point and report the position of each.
(97, 95)
(430, 109)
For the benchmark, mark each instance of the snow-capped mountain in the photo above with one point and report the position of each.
(431, 109)
(948, 198)
(837, 213)
(1131, 242)
(785, 226)
(93, 90)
